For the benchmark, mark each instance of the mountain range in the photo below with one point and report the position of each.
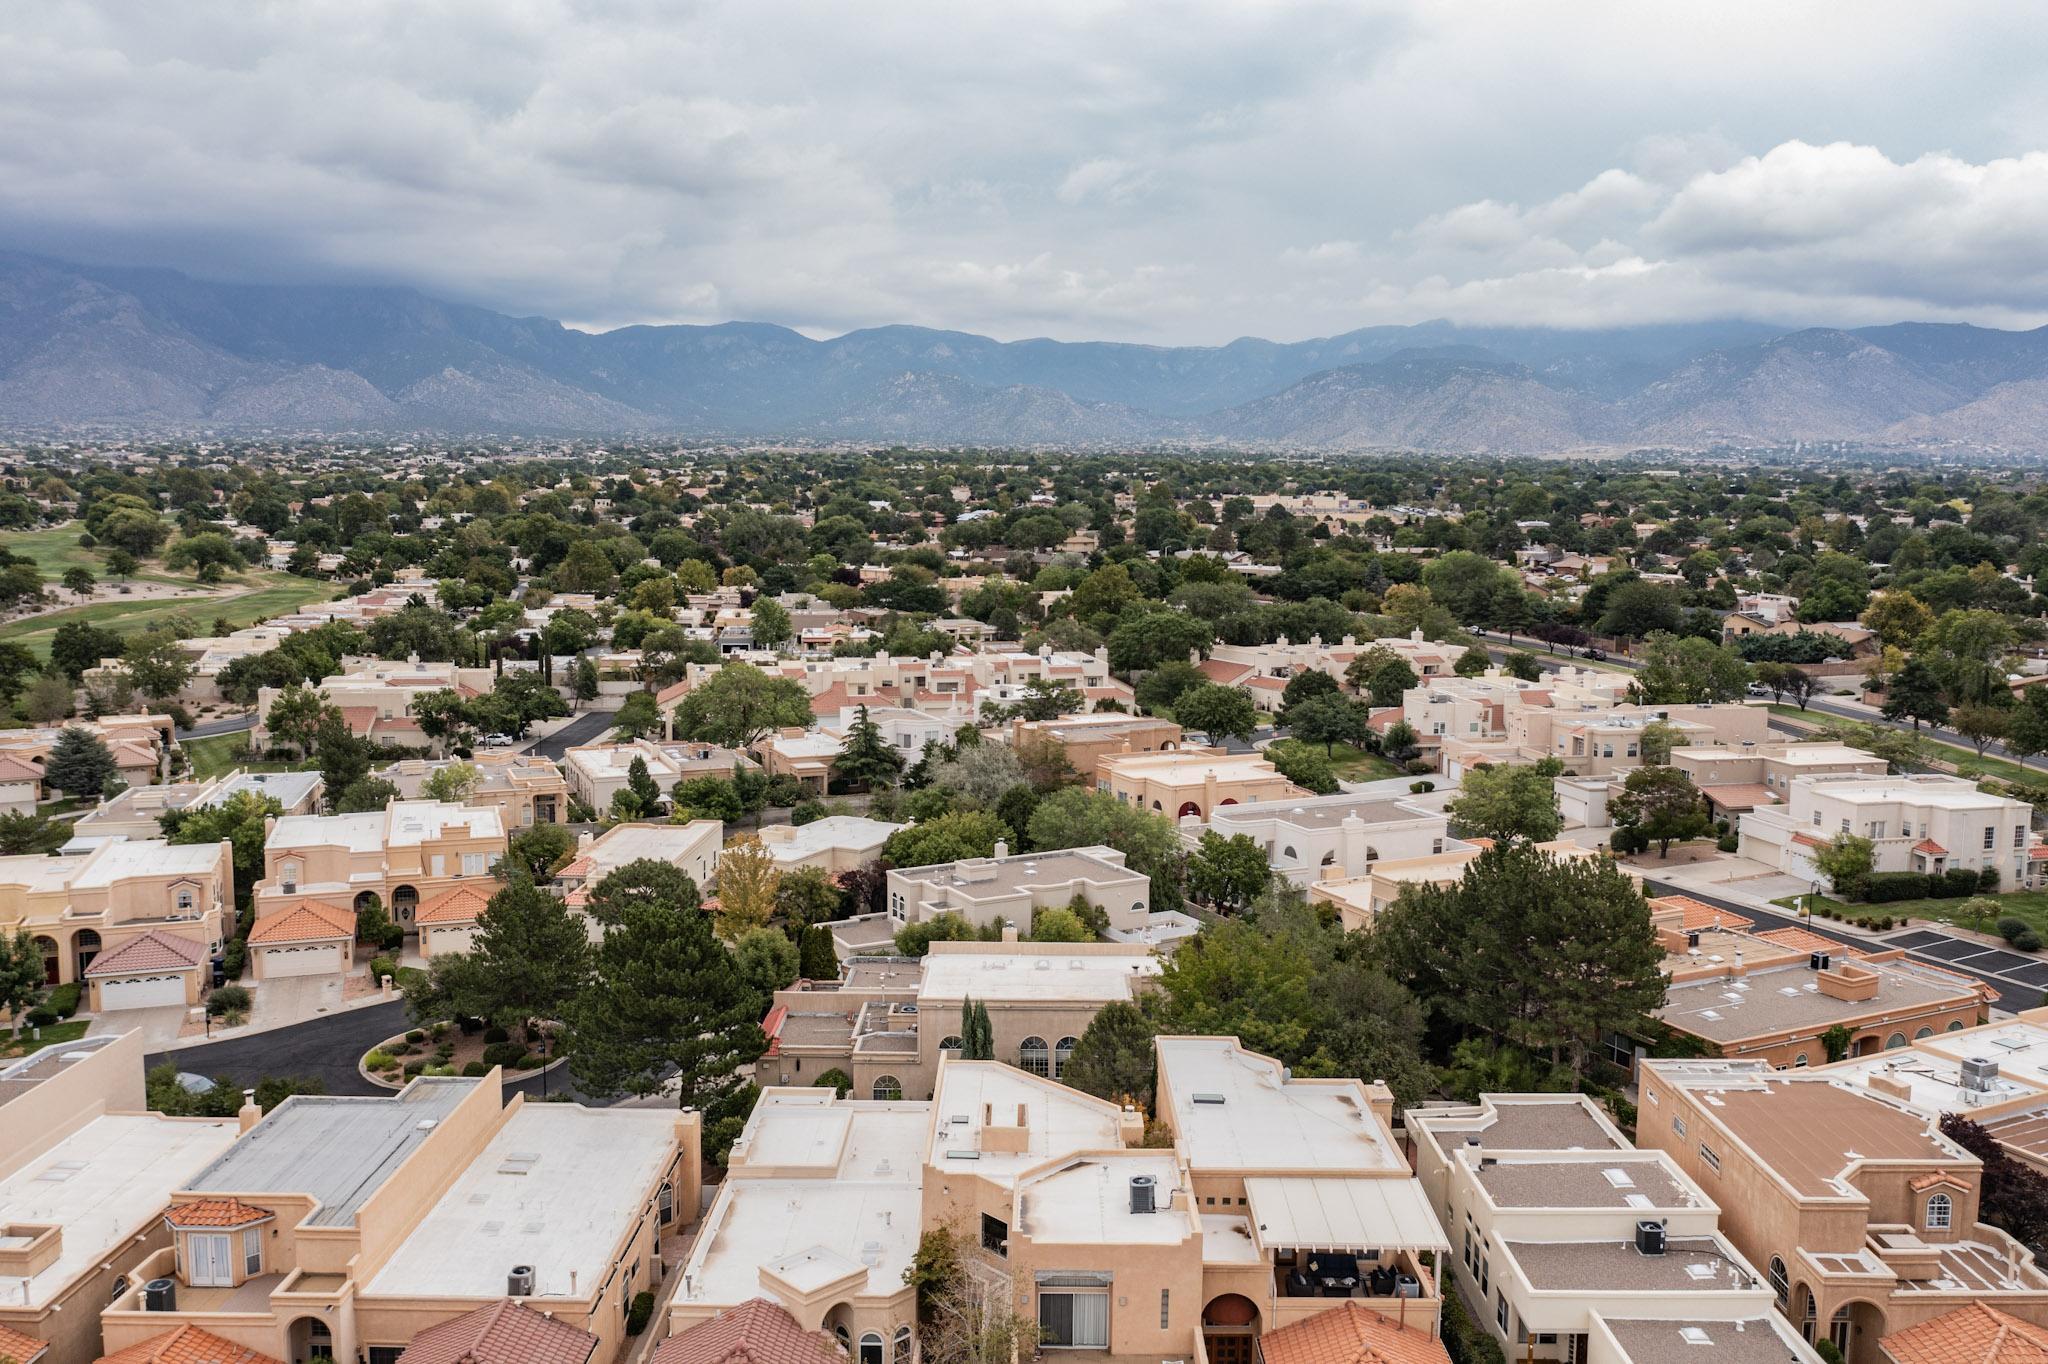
(129, 348)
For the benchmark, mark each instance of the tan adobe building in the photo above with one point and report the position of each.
(1192, 781)
(404, 854)
(837, 843)
(525, 790)
(1087, 739)
(84, 1172)
(1009, 889)
(1360, 899)
(1322, 837)
(803, 755)
(692, 849)
(1737, 780)
(1278, 1200)
(597, 772)
(138, 812)
(1609, 742)
(1863, 1216)
(140, 745)
(81, 911)
(1923, 823)
(888, 1020)
(375, 696)
(1547, 1203)
(345, 1228)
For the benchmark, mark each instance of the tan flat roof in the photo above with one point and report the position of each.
(1811, 1131)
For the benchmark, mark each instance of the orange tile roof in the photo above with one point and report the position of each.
(461, 905)
(1697, 914)
(1810, 840)
(502, 1333)
(1805, 940)
(756, 1332)
(1351, 1334)
(217, 1212)
(187, 1345)
(20, 1348)
(1975, 1334)
(153, 951)
(307, 921)
(1930, 847)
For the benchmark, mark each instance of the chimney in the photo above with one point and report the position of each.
(1002, 849)
(249, 1114)
(1009, 931)
(1130, 1126)
(1415, 636)
(584, 840)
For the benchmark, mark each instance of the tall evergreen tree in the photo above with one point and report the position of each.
(80, 764)
(816, 958)
(534, 954)
(1114, 1058)
(865, 758)
(977, 1034)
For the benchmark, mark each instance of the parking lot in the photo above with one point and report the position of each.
(2017, 967)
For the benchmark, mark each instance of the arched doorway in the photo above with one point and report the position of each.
(1230, 1329)
(405, 903)
(85, 945)
(1854, 1323)
(365, 900)
(1189, 808)
(310, 1339)
(52, 967)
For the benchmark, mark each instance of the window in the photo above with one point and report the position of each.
(667, 1203)
(951, 1043)
(1895, 1041)
(1877, 828)
(887, 1088)
(252, 1252)
(1500, 1310)
(871, 1348)
(1165, 1299)
(1990, 839)
(1062, 1053)
(1924, 1032)
(995, 1235)
(186, 900)
(385, 1354)
(2019, 836)
(1073, 1319)
(1678, 1124)
(1955, 1026)
(207, 1263)
(1033, 1055)
(473, 864)
(1799, 1061)
(1707, 1154)
(1781, 1283)
(901, 1354)
(289, 874)
(438, 864)
(1939, 1210)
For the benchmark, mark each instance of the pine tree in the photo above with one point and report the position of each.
(1114, 1058)
(977, 1033)
(80, 764)
(865, 758)
(534, 953)
(817, 958)
(646, 795)
(21, 975)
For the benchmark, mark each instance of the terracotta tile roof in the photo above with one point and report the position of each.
(1268, 683)
(20, 1348)
(1810, 840)
(217, 1212)
(186, 1345)
(153, 951)
(502, 1333)
(1351, 1334)
(1805, 940)
(756, 1332)
(1975, 1334)
(1216, 670)
(359, 719)
(307, 921)
(461, 905)
(1930, 847)
(1698, 914)
(14, 769)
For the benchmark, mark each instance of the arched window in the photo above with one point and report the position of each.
(1288, 853)
(1781, 1283)
(1799, 1061)
(871, 1348)
(901, 1354)
(288, 874)
(950, 1044)
(1924, 1032)
(1939, 1211)
(1033, 1055)
(888, 1088)
(1372, 854)
(845, 1336)
(1956, 1026)
(1895, 1041)
(1329, 857)
(1062, 1053)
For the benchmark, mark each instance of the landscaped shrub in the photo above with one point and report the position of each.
(1959, 882)
(63, 1000)
(381, 967)
(234, 958)
(475, 1068)
(228, 999)
(415, 1035)
(379, 1060)
(638, 1314)
(40, 1017)
(530, 1061)
(1886, 886)
(503, 1053)
(496, 1034)
(2028, 941)
(1987, 879)
(415, 1068)
(2010, 928)
(1727, 843)
(1421, 787)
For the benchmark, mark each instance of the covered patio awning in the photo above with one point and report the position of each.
(1291, 1212)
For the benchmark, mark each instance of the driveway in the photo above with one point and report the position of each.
(327, 1047)
(292, 999)
(158, 1026)
(584, 729)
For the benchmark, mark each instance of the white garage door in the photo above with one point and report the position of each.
(318, 959)
(142, 992)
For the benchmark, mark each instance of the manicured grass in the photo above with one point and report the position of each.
(256, 597)
(223, 753)
(1355, 764)
(2030, 905)
(68, 1031)
(56, 549)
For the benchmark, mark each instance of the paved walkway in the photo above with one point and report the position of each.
(586, 728)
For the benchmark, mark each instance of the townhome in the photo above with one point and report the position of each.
(1007, 889)
(692, 849)
(404, 855)
(138, 811)
(1736, 780)
(887, 1021)
(1608, 742)
(84, 1173)
(597, 772)
(140, 746)
(1571, 1245)
(344, 1228)
(1087, 739)
(1192, 781)
(1919, 823)
(135, 921)
(1327, 837)
(1360, 899)
(375, 696)
(836, 844)
(1276, 1202)
(1865, 1218)
(524, 789)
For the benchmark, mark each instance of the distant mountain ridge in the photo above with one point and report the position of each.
(84, 346)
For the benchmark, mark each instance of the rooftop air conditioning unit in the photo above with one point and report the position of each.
(1979, 1074)
(519, 1283)
(1818, 961)
(1142, 1189)
(160, 1295)
(1649, 1238)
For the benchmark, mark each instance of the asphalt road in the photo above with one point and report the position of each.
(234, 724)
(585, 728)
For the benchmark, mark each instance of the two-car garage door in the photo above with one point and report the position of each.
(142, 992)
(313, 959)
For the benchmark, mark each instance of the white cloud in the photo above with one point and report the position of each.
(1074, 168)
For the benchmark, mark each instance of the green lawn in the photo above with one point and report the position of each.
(2030, 905)
(1355, 764)
(255, 597)
(223, 753)
(68, 1031)
(56, 549)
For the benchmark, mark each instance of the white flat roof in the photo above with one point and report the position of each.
(1059, 1120)
(834, 831)
(357, 833)
(558, 1187)
(146, 857)
(1227, 1240)
(1233, 1110)
(1087, 1201)
(2019, 1047)
(625, 843)
(1319, 1213)
(102, 1184)
(1046, 974)
(1934, 1082)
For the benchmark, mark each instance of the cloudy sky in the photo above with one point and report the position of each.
(1176, 172)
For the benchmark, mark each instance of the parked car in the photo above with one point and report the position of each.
(1594, 653)
(497, 741)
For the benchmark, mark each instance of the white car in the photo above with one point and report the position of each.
(497, 741)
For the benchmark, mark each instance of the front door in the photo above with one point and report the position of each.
(1229, 1349)
(208, 1265)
